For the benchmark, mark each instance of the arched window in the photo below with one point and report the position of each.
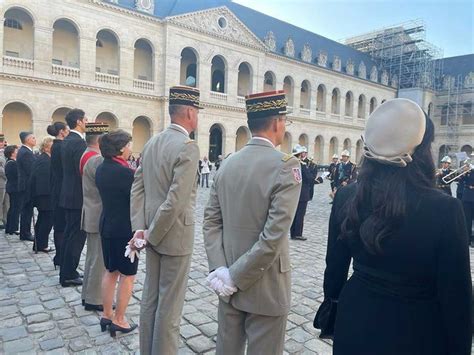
(245, 80)
(361, 107)
(333, 147)
(269, 81)
(349, 106)
(359, 150)
(143, 60)
(65, 44)
(17, 117)
(319, 149)
(241, 138)
(288, 87)
(188, 67)
(218, 75)
(108, 53)
(109, 118)
(216, 138)
(59, 115)
(430, 109)
(18, 34)
(373, 105)
(321, 98)
(305, 95)
(335, 101)
(141, 133)
(303, 140)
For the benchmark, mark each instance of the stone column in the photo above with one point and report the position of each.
(43, 50)
(205, 80)
(127, 58)
(87, 59)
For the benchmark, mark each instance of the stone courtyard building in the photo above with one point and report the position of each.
(116, 59)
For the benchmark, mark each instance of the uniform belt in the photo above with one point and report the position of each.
(392, 285)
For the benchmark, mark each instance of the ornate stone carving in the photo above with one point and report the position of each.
(374, 74)
(270, 41)
(322, 58)
(350, 67)
(384, 78)
(362, 71)
(469, 80)
(336, 63)
(307, 53)
(145, 5)
(395, 81)
(289, 49)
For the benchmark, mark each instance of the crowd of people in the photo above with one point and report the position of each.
(410, 291)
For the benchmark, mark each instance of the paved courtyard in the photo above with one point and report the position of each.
(38, 316)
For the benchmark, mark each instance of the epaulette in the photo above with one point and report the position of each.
(287, 157)
(189, 141)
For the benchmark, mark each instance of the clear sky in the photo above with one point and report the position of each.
(449, 23)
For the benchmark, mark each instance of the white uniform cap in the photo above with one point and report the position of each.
(446, 159)
(393, 132)
(335, 156)
(298, 149)
(345, 153)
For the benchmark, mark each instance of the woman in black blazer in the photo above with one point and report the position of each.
(11, 172)
(40, 189)
(114, 181)
(410, 292)
(59, 130)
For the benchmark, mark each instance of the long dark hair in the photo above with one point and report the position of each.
(384, 189)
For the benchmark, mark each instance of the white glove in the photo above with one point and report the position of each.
(131, 253)
(220, 281)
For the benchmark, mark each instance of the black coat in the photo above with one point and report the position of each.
(56, 172)
(24, 160)
(468, 190)
(308, 174)
(71, 188)
(348, 175)
(413, 299)
(40, 186)
(446, 188)
(114, 183)
(11, 172)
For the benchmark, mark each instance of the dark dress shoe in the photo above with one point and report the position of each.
(298, 237)
(114, 328)
(93, 307)
(104, 323)
(47, 250)
(72, 283)
(28, 238)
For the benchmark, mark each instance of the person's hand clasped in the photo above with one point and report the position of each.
(137, 243)
(221, 282)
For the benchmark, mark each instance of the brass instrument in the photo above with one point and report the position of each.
(459, 172)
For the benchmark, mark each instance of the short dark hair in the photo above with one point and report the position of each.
(53, 129)
(92, 138)
(111, 143)
(260, 124)
(74, 115)
(8, 151)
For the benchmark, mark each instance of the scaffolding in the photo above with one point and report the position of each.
(402, 51)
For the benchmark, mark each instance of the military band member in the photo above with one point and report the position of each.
(441, 173)
(332, 171)
(346, 171)
(246, 224)
(162, 210)
(91, 211)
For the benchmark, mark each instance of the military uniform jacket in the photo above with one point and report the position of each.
(164, 192)
(441, 184)
(3, 177)
(468, 192)
(246, 222)
(308, 174)
(71, 189)
(349, 173)
(92, 203)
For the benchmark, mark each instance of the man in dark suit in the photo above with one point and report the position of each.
(25, 159)
(71, 198)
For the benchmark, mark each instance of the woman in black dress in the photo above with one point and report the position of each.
(40, 190)
(410, 292)
(114, 180)
(59, 130)
(11, 172)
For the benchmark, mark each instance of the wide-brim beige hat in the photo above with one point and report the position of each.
(393, 132)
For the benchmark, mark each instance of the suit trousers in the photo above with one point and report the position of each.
(162, 302)
(4, 204)
(296, 229)
(43, 227)
(13, 215)
(469, 213)
(26, 214)
(93, 270)
(265, 334)
(74, 240)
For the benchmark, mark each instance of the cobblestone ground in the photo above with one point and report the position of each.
(38, 316)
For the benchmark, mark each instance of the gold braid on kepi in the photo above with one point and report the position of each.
(95, 128)
(185, 95)
(2, 138)
(266, 104)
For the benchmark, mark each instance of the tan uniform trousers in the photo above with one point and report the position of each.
(162, 302)
(93, 270)
(4, 205)
(265, 334)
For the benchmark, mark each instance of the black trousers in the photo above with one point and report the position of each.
(205, 177)
(26, 214)
(73, 243)
(59, 224)
(43, 227)
(13, 215)
(469, 213)
(298, 222)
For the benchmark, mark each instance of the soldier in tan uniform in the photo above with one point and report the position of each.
(246, 222)
(91, 211)
(162, 211)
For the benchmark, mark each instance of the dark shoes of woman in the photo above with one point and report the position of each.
(104, 323)
(114, 328)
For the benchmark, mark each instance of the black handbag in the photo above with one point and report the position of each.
(325, 318)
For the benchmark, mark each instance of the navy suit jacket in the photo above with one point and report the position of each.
(11, 172)
(24, 160)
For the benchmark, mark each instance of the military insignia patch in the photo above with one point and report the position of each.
(297, 175)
